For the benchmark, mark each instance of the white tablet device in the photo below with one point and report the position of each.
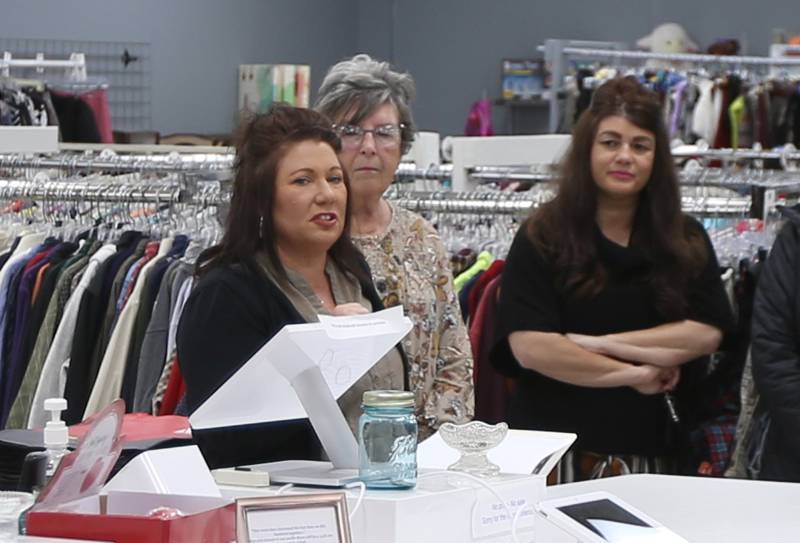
(600, 517)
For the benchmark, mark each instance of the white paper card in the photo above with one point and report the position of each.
(316, 524)
(522, 452)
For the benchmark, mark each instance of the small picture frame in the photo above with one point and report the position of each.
(301, 517)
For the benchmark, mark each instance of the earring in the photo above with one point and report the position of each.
(261, 227)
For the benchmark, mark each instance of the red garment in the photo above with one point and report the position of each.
(97, 100)
(176, 388)
(491, 388)
(38, 257)
(480, 285)
(722, 140)
(38, 284)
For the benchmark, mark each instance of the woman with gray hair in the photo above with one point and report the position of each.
(369, 105)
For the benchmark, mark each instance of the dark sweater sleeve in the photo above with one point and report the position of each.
(708, 302)
(220, 329)
(528, 301)
(775, 352)
(227, 318)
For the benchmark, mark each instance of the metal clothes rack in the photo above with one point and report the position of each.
(109, 162)
(409, 172)
(158, 192)
(182, 189)
(730, 155)
(557, 53)
(520, 203)
(95, 191)
(161, 192)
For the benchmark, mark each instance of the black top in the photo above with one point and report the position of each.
(607, 420)
(231, 313)
(776, 352)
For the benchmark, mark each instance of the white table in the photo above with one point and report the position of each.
(705, 509)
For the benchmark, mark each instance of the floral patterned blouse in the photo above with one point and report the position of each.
(411, 268)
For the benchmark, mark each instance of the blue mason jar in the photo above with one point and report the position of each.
(387, 440)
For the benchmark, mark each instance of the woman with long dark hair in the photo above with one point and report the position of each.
(285, 258)
(608, 289)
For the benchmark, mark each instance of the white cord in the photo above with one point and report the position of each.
(517, 516)
(362, 490)
(514, 518)
(356, 484)
(283, 489)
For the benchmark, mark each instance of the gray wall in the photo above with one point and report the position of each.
(454, 47)
(197, 45)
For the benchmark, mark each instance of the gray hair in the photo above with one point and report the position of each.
(362, 84)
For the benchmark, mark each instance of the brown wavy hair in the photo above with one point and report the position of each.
(261, 142)
(564, 228)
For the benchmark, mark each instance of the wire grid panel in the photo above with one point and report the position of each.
(129, 84)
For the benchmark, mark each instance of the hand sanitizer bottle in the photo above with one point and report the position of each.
(40, 466)
(56, 435)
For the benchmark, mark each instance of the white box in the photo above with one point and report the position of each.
(443, 508)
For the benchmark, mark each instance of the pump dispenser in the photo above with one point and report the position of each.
(56, 434)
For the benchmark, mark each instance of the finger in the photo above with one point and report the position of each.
(675, 380)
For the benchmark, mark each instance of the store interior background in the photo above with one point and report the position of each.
(453, 48)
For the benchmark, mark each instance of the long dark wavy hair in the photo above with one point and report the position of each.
(261, 142)
(564, 228)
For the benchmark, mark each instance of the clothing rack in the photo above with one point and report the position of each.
(777, 179)
(557, 53)
(520, 203)
(154, 192)
(727, 154)
(75, 65)
(110, 162)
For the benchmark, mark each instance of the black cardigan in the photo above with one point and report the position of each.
(231, 313)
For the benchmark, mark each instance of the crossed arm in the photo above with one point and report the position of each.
(668, 345)
(647, 360)
(558, 357)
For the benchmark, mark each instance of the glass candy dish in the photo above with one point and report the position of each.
(473, 440)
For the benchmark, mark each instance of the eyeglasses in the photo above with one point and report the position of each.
(386, 136)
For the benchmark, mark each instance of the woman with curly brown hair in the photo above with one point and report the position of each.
(608, 290)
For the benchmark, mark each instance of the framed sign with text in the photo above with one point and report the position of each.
(321, 518)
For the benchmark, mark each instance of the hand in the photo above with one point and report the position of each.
(594, 344)
(654, 380)
(343, 310)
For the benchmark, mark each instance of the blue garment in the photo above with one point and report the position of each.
(127, 284)
(16, 364)
(13, 270)
(12, 362)
(9, 309)
(126, 246)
